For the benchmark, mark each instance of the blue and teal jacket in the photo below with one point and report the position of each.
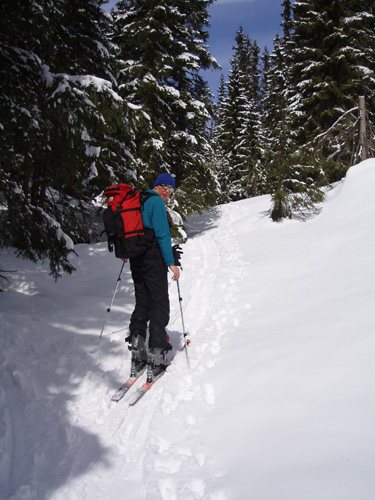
(154, 216)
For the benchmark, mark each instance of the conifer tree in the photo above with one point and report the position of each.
(55, 66)
(334, 47)
(293, 189)
(240, 124)
(278, 143)
(218, 158)
(161, 46)
(233, 107)
(249, 146)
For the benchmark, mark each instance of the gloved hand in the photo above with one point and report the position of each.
(177, 252)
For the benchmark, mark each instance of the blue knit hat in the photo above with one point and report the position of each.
(165, 179)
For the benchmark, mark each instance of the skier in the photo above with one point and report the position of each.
(150, 277)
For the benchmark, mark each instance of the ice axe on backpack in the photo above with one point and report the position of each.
(113, 298)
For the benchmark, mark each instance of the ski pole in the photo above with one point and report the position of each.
(186, 340)
(113, 298)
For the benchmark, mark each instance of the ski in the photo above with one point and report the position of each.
(120, 393)
(145, 388)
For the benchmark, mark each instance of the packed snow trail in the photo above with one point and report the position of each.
(97, 448)
(278, 402)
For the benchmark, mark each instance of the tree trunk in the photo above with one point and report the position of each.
(363, 149)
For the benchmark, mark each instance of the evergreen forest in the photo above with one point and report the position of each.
(89, 99)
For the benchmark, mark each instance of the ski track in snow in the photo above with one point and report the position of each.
(99, 452)
(147, 463)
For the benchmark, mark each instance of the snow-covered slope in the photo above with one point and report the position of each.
(277, 403)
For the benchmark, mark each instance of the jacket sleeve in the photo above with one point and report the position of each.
(159, 223)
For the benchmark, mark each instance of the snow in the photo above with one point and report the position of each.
(157, 144)
(170, 90)
(278, 402)
(99, 84)
(57, 227)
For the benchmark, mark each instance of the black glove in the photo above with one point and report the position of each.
(177, 252)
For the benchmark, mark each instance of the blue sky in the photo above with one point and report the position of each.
(260, 20)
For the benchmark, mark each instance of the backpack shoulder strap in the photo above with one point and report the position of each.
(145, 195)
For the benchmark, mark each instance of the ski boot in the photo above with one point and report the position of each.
(157, 362)
(139, 355)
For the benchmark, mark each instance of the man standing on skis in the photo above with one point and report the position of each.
(150, 276)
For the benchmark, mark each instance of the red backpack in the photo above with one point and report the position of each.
(123, 221)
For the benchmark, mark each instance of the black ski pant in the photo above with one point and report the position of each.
(150, 277)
